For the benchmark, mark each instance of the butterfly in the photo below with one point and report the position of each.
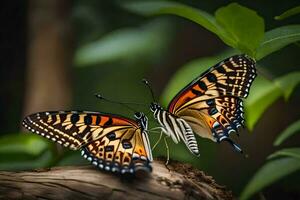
(210, 106)
(110, 142)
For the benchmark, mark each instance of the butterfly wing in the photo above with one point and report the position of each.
(212, 102)
(111, 142)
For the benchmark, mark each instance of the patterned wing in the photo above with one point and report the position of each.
(99, 135)
(124, 151)
(212, 102)
(231, 77)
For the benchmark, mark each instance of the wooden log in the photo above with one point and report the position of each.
(87, 182)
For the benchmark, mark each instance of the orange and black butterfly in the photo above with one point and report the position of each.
(211, 106)
(110, 142)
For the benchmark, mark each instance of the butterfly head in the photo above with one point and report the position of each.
(155, 106)
(141, 119)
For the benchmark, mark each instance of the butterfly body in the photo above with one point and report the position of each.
(176, 128)
(110, 142)
(211, 105)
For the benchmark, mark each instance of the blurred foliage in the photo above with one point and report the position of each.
(286, 161)
(227, 26)
(126, 44)
(23, 151)
(291, 130)
(288, 13)
(110, 48)
(265, 92)
(269, 173)
(278, 38)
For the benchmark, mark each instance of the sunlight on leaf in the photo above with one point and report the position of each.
(126, 43)
(288, 13)
(271, 172)
(265, 92)
(247, 33)
(290, 152)
(278, 38)
(288, 132)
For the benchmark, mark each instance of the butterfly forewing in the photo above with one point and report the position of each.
(111, 142)
(231, 77)
(212, 103)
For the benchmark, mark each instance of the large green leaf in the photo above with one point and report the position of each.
(290, 152)
(265, 92)
(271, 172)
(227, 25)
(168, 7)
(125, 44)
(278, 38)
(288, 132)
(288, 13)
(243, 25)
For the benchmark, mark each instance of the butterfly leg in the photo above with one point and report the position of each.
(153, 129)
(159, 139)
(168, 153)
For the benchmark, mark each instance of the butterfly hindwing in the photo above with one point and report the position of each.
(120, 151)
(111, 142)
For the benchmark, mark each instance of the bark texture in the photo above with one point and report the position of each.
(48, 80)
(87, 182)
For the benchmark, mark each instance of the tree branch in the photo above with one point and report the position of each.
(86, 182)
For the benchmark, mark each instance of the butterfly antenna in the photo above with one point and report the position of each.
(99, 96)
(149, 87)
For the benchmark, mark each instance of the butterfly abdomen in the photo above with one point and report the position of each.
(178, 129)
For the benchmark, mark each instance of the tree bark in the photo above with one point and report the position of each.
(86, 182)
(48, 80)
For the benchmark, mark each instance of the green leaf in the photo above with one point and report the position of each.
(168, 7)
(24, 151)
(41, 161)
(124, 44)
(227, 25)
(271, 172)
(25, 143)
(288, 83)
(278, 38)
(188, 72)
(288, 13)
(265, 92)
(290, 152)
(243, 25)
(262, 94)
(288, 132)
